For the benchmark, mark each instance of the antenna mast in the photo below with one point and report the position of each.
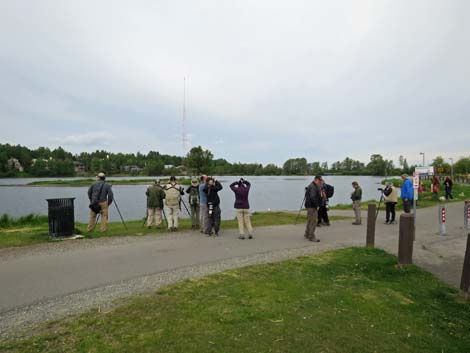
(184, 135)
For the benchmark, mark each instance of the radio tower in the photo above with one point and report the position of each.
(184, 135)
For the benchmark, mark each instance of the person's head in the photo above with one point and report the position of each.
(194, 182)
(317, 180)
(210, 181)
(156, 181)
(101, 176)
(203, 178)
(404, 176)
(172, 179)
(355, 184)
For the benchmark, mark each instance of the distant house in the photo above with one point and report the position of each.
(169, 166)
(15, 164)
(134, 169)
(34, 161)
(79, 167)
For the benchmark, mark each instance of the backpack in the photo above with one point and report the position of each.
(387, 191)
(172, 195)
(194, 196)
(329, 190)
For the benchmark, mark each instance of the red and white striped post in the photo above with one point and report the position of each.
(442, 220)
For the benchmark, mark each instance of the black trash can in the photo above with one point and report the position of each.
(61, 217)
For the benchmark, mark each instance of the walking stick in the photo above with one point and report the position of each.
(120, 215)
(298, 214)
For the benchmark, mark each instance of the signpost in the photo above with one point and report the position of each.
(415, 191)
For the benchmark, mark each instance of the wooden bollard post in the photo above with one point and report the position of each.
(465, 282)
(405, 240)
(370, 237)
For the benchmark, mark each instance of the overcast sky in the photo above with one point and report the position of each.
(265, 80)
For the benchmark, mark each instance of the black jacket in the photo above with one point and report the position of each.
(211, 192)
(313, 197)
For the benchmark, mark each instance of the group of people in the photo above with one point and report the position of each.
(166, 201)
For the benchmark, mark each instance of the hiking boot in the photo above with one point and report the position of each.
(149, 227)
(250, 236)
(216, 234)
(356, 223)
(387, 222)
(209, 234)
(318, 224)
(314, 239)
(241, 237)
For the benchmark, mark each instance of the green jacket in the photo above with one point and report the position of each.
(155, 196)
(357, 194)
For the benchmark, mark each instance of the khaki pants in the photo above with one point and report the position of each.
(357, 210)
(154, 213)
(172, 213)
(104, 218)
(195, 215)
(244, 221)
(312, 219)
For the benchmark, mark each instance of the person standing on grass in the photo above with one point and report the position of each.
(101, 194)
(312, 202)
(448, 187)
(173, 192)
(203, 204)
(194, 203)
(211, 189)
(390, 198)
(241, 188)
(407, 193)
(356, 197)
(435, 187)
(155, 197)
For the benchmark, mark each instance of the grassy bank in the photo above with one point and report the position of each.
(461, 192)
(351, 300)
(22, 233)
(88, 182)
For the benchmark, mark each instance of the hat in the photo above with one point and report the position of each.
(157, 181)
(101, 175)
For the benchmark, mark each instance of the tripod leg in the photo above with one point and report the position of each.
(96, 222)
(300, 210)
(120, 215)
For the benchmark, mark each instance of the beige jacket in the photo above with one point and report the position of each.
(393, 197)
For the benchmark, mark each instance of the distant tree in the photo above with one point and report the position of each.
(295, 166)
(379, 166)
(462, 166)
(154, 167)
(199, 160)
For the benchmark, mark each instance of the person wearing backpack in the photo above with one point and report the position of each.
(326, 192)
(241, 188)
(391, 199)
(155, 197)
(194, 203)
(312, 201)
(100, 195)
(173, 192)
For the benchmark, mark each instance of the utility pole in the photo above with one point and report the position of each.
(184, 135)
(451, 168)
(423, 158)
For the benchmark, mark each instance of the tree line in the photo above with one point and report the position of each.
(45, 162)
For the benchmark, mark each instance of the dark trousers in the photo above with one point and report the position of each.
(213, 221)
(323, 215)
(449, 193)
(390, 211)
(407, 205)
(312, 218)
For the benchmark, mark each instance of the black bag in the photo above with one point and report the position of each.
(329, 190)
(95, 207)
(387, 191)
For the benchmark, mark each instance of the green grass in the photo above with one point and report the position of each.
(88, 182)
(23, 234)
(350, 300)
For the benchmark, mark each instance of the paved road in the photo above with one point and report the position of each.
(33, 280)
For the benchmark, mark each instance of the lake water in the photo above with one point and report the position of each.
(267, 192)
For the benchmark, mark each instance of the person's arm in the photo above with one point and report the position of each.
(232, 186)
(90, 192)
(247, 183)
(218, 186)
(181, 190)
(188, 190)
(110, 195)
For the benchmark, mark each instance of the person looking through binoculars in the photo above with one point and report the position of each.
(173, 192)
(241, 188)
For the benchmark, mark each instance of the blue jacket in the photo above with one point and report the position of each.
(407, 191)
(202, 194)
